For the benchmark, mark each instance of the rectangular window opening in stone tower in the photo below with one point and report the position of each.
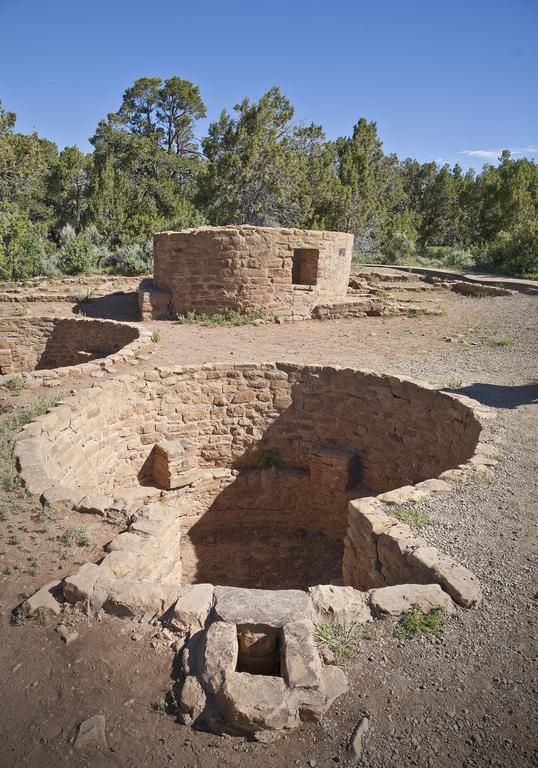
(305, 266)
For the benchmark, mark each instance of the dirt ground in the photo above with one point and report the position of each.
(466, 698)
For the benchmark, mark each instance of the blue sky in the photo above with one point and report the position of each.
(440, 77)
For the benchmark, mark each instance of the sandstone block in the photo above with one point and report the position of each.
(138, 598)
(220, 653)
(256, 702)
(91, 733)
(314, 703)
(80, 586)
(95, 505)
(340, 605)
(192, 608)
(400, 598)
(193, 699)
(261, 606)
(301, 666)
(48, 598)
(430, 565)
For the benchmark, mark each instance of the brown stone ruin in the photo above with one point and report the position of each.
(286, 273)
(38, 347)
(273, 481)
(276, 274)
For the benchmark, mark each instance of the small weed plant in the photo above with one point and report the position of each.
(380, 293)
(417, 622)
(485, 476)
(499, 341)
(15, 384)
(340, 639)
(156, 337)
(18, 617)
(267, 458)
(410, 515)
(76, 536)
(85, 297)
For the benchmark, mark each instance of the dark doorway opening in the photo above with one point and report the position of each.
(305, 266)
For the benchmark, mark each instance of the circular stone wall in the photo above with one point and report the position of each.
(282, 272)
(254, 466)
(46, 343)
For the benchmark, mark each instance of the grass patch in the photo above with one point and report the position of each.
(229, 318)
(415, 622)
(485, 476)
(15, 384)
(19, 310)
(76, 536)
(267, 458)
(85, 297)
(498, 341)
(340, 639)
(9, 479)
(380, 293)
(18, 617)
(410, 515)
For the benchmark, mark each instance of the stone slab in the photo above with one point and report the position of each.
(400, 598)
(272, 608)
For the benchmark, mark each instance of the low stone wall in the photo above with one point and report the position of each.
(276, 444)
(335, 432)
(44, 349)
(283, 272)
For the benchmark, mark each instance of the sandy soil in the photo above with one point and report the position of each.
(466, 698)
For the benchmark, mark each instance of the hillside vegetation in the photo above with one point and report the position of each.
(67, 212)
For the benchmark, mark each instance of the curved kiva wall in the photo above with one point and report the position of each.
(44, 344)
(283, 272)
(337, 433)
(295, 447)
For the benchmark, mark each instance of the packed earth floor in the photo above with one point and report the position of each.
(466, 698)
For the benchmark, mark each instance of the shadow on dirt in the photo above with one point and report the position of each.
(498, 396)
(115, 306)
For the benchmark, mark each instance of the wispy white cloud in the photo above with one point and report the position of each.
(487, 153)
(493, 154)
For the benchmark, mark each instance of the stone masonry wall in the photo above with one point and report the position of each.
(214, 269)
(46, 343)
(339, 434)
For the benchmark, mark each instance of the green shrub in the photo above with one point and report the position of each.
(15, 384)
(78, 256)
(229, 318)
(267, 458)
(49, 265)
(129, 260)
(398, 248)
(411, 515)
(458, 258)
(21, 246)
(75, 536)
(512, 253)
(416, 622)
(340, 639)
